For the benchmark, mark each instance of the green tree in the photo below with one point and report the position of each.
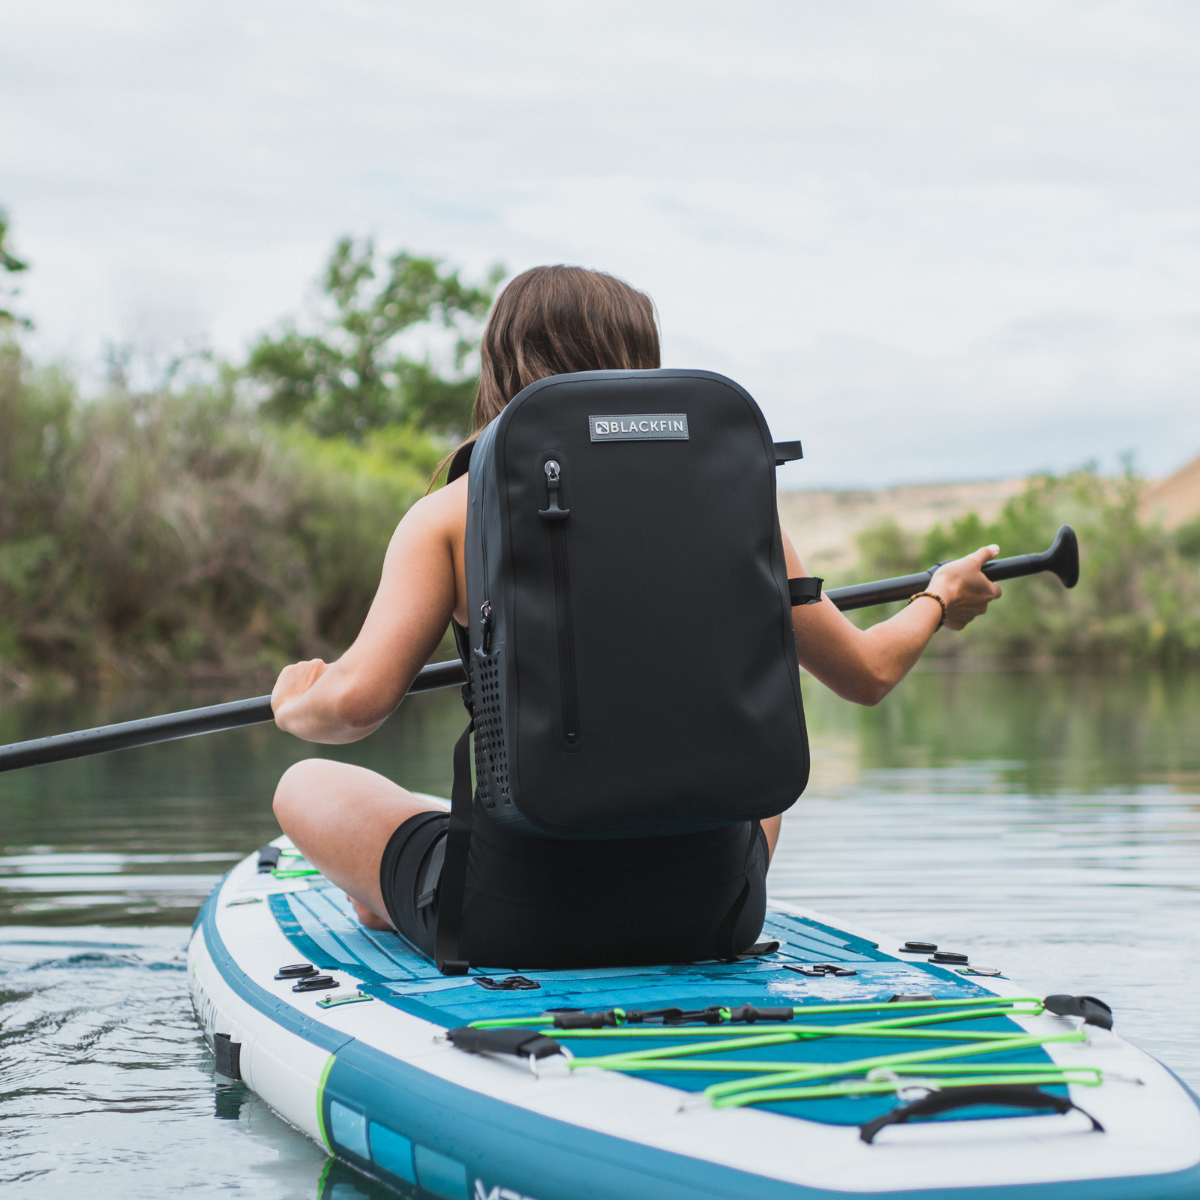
(353, 374)
(10, 265)
(1138, 596)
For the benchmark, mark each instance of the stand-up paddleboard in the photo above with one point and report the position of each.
(843, 1064)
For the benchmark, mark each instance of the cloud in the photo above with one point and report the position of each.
(936, 239)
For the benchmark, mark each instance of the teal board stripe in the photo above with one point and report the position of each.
(531, 1155)
(393, 1152)
(440, 1174)
(503, 1146)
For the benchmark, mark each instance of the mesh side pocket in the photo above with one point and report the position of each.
(491, 754)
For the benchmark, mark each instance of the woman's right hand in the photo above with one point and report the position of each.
(964, 588)
(293, 683)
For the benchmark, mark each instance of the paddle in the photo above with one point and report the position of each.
(1062, 559)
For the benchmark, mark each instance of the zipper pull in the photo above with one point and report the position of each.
(485, 624)
(554, 486)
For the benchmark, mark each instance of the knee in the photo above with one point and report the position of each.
(294, 791)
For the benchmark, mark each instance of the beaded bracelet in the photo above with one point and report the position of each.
(932, 596)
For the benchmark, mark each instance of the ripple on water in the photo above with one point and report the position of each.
(1049, 824)
(106, 1086)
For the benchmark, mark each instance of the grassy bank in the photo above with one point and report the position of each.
(182, 534)
(1138, 597)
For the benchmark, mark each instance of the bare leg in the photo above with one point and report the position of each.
(771, 829)
(341, 817)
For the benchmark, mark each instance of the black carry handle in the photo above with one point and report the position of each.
(1062, 559)
(1093, 1011)
(1000, 1095)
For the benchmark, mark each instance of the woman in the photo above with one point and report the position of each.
(530, 901)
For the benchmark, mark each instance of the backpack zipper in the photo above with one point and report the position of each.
(485, 626)
(485, 609)
(555, 515)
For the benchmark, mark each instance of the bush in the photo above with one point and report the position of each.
(1138, 595)
(179, 533)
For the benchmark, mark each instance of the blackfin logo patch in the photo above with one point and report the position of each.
(640, 427)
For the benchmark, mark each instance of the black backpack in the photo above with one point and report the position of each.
(631, 661)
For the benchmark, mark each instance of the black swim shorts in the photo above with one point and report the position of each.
(542, 902)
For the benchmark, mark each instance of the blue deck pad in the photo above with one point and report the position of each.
(321, 925)
(323, 928)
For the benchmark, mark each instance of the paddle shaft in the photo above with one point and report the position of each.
(234, 715)
(194, 721)
(1062, 559)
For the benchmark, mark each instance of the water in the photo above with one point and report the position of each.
(1049, 824)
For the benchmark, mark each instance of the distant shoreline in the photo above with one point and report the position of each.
(824, 523)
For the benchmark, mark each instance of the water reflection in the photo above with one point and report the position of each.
(1048, 823)
(139, 837)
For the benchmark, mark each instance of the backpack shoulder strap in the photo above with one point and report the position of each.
(461, 461)
(452, 886)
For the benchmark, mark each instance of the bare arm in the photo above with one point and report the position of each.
(423, 585)
(418, 592)
(863, 665)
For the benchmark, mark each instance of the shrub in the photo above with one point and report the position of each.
(1138, 595)
(179, 533)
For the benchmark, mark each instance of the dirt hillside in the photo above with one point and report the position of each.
(1176, 499)
(824, 524)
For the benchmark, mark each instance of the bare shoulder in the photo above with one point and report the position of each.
(442, 512)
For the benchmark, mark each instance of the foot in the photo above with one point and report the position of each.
(367, 918)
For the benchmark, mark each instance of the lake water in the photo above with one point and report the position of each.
(1046, 823)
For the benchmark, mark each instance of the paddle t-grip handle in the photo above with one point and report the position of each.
(1062, 559)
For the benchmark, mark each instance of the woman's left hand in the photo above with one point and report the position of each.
(863, 665)
(966, 590)
(293, 683)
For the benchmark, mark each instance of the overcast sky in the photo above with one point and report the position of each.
(936, 240)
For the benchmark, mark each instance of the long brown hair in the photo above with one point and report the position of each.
(556, 320)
